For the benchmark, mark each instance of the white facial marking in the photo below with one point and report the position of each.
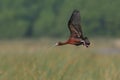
(56, 44)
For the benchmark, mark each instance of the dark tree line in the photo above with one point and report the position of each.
(38, 18)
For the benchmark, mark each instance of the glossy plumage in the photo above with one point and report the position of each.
(76, 34)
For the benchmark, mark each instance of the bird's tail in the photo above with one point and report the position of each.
(87, 42)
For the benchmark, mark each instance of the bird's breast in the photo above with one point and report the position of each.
(74, 41)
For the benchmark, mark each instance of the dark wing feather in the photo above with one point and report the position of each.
(74, 25)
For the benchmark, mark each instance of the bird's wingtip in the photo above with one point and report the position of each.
(76, 10)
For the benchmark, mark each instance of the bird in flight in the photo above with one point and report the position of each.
(76, 34)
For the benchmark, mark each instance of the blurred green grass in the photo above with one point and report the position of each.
(40, 60)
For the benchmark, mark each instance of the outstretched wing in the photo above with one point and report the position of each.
(74, 25)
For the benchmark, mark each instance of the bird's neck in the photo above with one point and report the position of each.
(63, 43)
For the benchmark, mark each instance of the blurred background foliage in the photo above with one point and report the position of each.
(48, 18)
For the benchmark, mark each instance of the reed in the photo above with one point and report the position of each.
(38, 60)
